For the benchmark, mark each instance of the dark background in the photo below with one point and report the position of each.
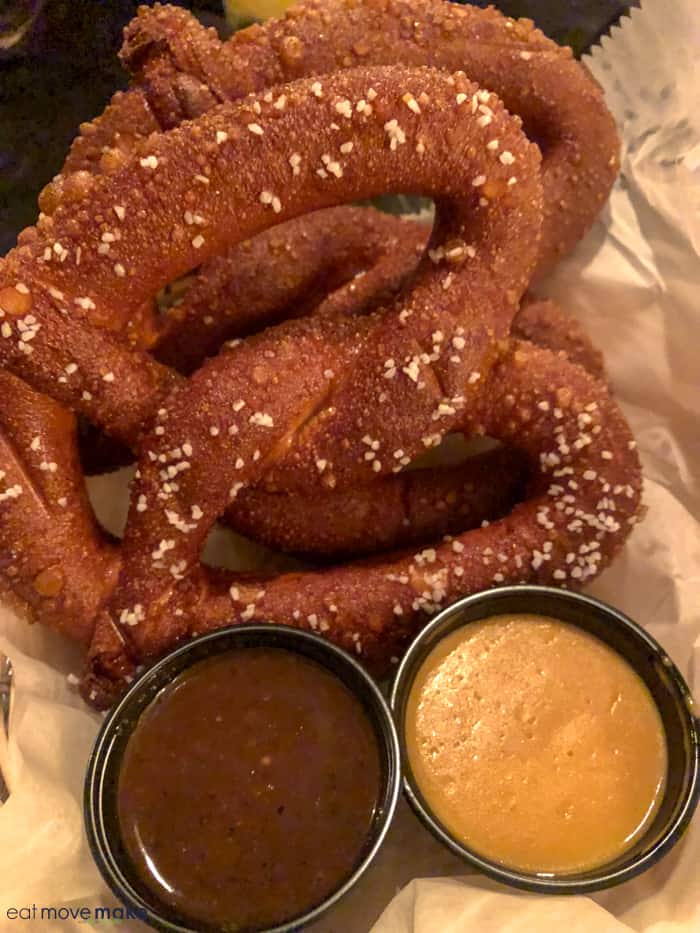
(58, 67)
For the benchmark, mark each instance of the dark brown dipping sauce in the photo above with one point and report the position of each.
(248, 788)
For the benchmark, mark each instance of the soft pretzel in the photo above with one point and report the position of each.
(582, 502)
(325, 402)
(182, 70)
(64, 283)
(283, 272)
(336, 261)
(273, 276)
(344, 260)
(59, 289)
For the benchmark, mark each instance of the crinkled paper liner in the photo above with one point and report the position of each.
(633, 282)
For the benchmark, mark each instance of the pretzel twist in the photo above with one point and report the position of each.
(345, 260)
(182, 70)
(437, 357)
(338, 261)
(582, 501)
(476, 287)
(279, 273)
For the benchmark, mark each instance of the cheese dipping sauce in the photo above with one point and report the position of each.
(248, 788)
(535, 744)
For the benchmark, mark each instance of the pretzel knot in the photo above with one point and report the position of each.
(313, 406)
(182, 70)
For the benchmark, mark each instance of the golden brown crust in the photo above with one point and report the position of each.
(77, 279)
(543, 323)
(148, 248)
(49, 538)
(580, 507)
(335, 261)
(395, 512)
(329, 401)
(183, 69)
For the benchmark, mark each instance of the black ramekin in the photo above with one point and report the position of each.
(100, 796)
(649, 660)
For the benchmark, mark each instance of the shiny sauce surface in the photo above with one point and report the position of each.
(248, 788)
(535, 744)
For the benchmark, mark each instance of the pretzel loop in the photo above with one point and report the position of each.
(319, 404)
(182, 70)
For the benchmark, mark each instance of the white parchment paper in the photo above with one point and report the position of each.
(634, 282)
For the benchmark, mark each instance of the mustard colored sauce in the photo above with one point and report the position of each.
(535, 744)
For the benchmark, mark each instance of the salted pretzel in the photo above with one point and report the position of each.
(344, 260)
(283, 272)
(273, 276)
(337, 261)
(182, 69)
(436, 358)
(582, 501)
(141, 217)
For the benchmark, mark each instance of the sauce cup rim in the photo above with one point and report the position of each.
(453, 617)
(270, 634)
